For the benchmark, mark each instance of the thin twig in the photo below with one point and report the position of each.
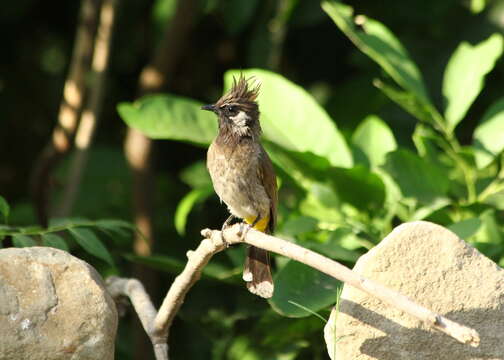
(158, 327)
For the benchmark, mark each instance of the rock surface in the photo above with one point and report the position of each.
(432, 266)
(53, 306)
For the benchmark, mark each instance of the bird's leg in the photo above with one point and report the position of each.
(244, 228)
(225, 226)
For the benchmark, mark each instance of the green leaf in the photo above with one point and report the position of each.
(55, 241)
(91, 244)
(117, 226)
(196, 175)
(478, 6)
(466, 228)
(304, 285)
(297, 225)
(375, 139)
(23, 241)
(170, 117)
(341, 245)
(358, 187)
(291, 117)
(491, 232)
(68, 222)
(302, 168)
(381, 45)
(465, 73)
(322, 203)
(426, 141)
(415, 177)
(425, 211)
(4, 208)
(187, 203)
(422, 110)
(488, 136)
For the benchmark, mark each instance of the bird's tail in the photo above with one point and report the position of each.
(257, 273)
(256, 270)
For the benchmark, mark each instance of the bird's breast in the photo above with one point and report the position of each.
(235, 180)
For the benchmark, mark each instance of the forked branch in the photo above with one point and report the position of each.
(158, 327)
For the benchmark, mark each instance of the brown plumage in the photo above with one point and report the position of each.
(243, 176)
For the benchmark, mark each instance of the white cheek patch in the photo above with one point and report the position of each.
(240, 119)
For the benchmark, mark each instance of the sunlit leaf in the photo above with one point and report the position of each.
(187, 203)
(491, 231)
(477, 6)
(196, 175)
(91, 244)
(303, 285)
(466, 228)
(422, 110)
(291, 117)
(55, 241)
(465, 73)
(380, 44)
(322, 203)
(415, 177)
(335, 246)
(375, 139)
(298, 225)
(488, 136)
(426, 210)
(170, 117)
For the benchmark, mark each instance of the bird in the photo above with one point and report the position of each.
(243, 175)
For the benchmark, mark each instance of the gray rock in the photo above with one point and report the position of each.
(53, 306)
(436, 269)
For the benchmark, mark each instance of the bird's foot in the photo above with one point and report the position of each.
(224, 227)
(243, 231)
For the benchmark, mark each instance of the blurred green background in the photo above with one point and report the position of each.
(419, 135)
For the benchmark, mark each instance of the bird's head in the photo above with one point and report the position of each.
(237, 110)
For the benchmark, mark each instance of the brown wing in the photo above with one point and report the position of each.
(268, 178)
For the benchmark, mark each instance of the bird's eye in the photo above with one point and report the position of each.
(231, 109)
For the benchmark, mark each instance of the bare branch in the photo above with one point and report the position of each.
(158, 327)
(134, 290)
(175, 297)
(330, 267)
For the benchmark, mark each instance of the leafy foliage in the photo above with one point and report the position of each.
(382, 120)
(81, 230)
(341, 194)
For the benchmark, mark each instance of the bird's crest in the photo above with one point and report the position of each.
(241, 91)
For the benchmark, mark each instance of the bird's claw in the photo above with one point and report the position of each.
(244, 229)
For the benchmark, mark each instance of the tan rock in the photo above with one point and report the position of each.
(53, 306)
(432, 266)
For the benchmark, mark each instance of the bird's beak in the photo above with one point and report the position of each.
(209, 107)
